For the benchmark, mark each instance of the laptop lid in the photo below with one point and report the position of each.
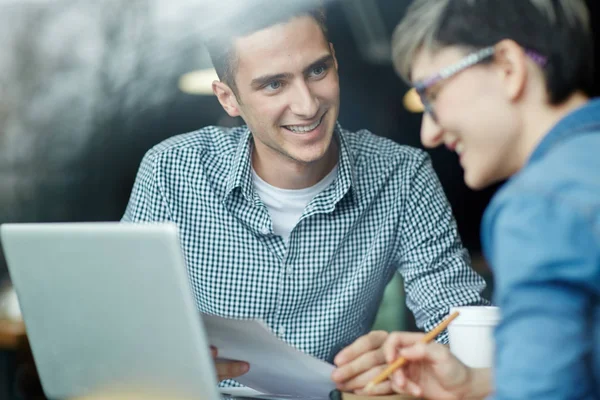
(109, 307)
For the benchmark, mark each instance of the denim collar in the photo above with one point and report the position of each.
(581, 121)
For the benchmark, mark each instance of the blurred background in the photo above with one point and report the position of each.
(87, 87)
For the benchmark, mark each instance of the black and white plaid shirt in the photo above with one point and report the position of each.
(385, 212)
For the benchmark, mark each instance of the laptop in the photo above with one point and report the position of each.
(108, 308)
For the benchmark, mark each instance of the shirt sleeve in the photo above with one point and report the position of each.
(434, 264)
(547, 274)
(147, 202)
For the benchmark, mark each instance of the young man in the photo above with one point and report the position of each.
(504, 84)
(292, 219)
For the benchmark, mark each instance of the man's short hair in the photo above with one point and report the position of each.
(221, 46)
(556, 29)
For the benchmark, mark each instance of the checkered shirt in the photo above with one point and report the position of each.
(385, 212)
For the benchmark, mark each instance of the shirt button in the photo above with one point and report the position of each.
(289, 270)
(265, 230)
(281, 330)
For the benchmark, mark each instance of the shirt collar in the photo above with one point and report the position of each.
(346, 169)
(240, 175)
(580, 121)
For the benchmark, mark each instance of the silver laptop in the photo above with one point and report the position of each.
(108, 307)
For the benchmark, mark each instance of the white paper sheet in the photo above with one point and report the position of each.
(276, 368)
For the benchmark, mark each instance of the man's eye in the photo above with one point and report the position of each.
(318, 71)
(275, 85)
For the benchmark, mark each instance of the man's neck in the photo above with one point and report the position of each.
(539, 122)
(286, 173)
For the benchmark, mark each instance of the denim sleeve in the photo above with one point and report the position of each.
(433, 262)
(147, 202)
(545, 260)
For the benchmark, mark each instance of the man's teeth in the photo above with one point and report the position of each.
(459, 148)
(307, 128)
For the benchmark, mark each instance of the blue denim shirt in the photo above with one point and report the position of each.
(541, 235)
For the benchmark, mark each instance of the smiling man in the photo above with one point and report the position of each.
(292, 219)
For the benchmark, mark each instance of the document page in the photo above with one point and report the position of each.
(276, 368)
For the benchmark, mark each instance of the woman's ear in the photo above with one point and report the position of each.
(511, 60)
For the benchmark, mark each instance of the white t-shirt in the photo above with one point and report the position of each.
(287, 205)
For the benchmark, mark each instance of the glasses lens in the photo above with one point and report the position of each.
(427, 106)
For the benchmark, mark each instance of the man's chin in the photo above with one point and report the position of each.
(315, 155)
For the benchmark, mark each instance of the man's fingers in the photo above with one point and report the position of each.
(361, 365)
(360, 381)
(231, 369)
(362, 345)
(399, 340)
(227, 369)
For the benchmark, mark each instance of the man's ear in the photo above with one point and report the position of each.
(227, 98)
(333, 54)
(512, 62)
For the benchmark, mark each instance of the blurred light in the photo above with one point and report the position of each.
(198, 82)
(412, 101)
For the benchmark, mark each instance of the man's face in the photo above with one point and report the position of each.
(474, 117)
(288, 91)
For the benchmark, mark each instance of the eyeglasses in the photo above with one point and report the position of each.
(468, 61)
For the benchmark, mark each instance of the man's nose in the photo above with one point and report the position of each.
(432, 135)
(304, 104)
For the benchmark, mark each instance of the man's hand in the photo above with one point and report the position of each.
(431, 370)
(360, 362)
(228, 369)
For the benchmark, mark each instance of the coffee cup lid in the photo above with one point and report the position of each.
(476, 314)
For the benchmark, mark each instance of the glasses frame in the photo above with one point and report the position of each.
(464, 63)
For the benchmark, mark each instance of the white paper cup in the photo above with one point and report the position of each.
(471, 335)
